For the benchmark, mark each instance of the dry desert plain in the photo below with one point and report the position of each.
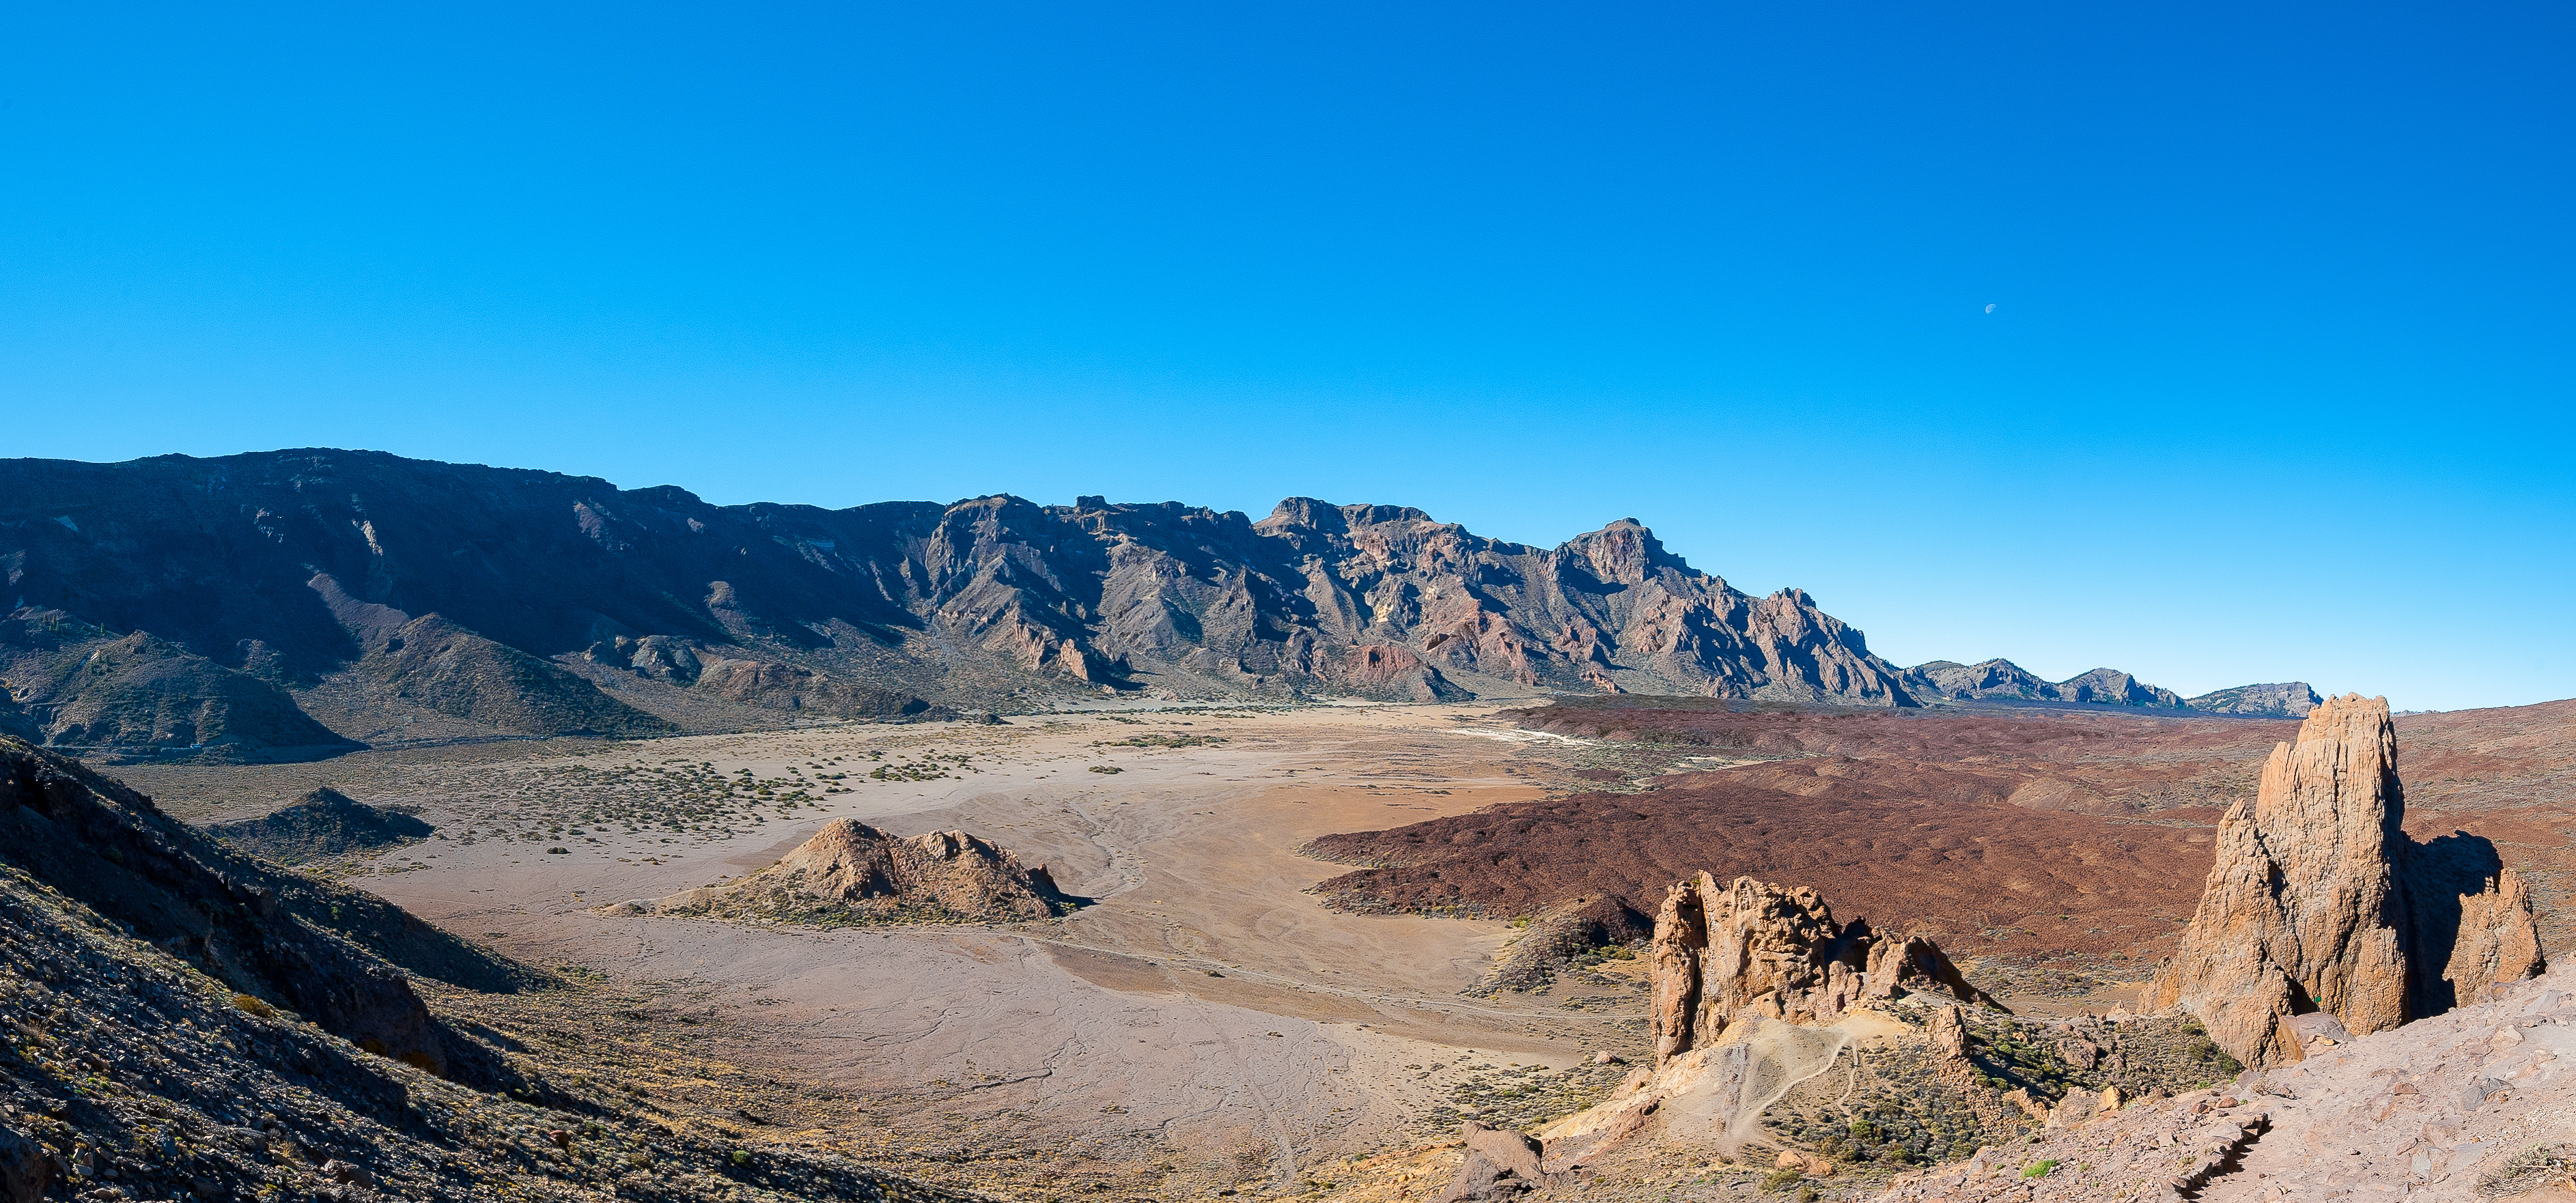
(1203, 1024)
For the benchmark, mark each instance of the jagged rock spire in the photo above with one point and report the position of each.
(2308, 905)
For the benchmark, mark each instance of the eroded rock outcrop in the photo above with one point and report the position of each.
(1749, 949)
(850, 872)
(2319, 901)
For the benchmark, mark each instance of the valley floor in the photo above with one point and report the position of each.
(1204, 1025)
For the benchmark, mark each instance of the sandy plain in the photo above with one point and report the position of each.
(1204, 1023)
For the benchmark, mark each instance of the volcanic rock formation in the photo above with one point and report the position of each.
(1723, 955)
(324, 822)
(850, 872)
(2319, 901)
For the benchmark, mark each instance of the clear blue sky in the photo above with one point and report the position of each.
(2275, 383)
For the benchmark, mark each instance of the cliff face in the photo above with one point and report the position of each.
(2318, 901)
(2281, 699)
(246, 596)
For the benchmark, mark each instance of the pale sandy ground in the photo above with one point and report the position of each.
(1205, 1003)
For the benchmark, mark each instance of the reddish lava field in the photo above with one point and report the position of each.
(2025, 836)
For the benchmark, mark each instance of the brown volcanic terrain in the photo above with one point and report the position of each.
(1886, 840)
(2023, 836)
(2096, 761)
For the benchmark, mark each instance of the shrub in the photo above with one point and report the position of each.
(253, 1004)
(1781, 1179)
(2039, 1169)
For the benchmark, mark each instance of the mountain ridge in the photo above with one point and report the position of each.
(296, 603)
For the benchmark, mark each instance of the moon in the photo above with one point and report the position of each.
(1990, 309)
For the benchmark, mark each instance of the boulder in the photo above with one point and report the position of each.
(1501, 1162)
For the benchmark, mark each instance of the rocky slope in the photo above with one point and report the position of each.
(2319, 902)
(185, 1022)
(850, 872)
(2474, 1104)
(280, 604)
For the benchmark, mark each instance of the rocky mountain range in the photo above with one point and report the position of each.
(2005, 681)
(294, 604)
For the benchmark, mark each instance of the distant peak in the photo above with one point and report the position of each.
(1308, 513)
(1625, 551)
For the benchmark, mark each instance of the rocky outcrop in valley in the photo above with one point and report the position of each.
(851, 873)
(1789, 1046)
(2319, 902)
(322, 823)
(1724, 955)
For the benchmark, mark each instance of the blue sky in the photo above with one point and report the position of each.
(2275, 382)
